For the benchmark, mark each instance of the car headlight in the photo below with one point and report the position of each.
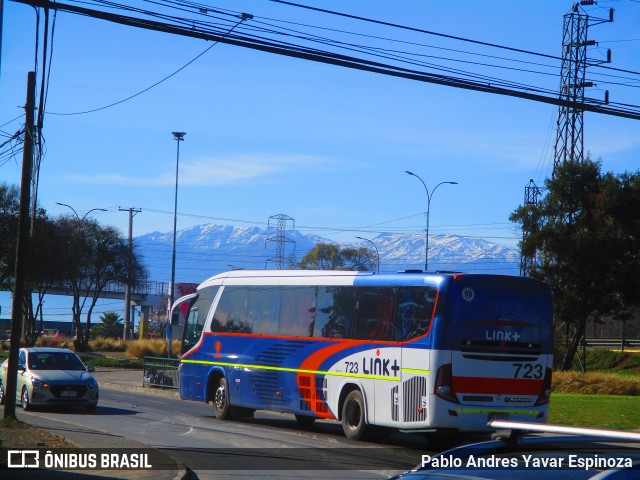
(93, 383)
(39, 383)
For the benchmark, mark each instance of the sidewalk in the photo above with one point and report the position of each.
(128, 379)
(121, 379)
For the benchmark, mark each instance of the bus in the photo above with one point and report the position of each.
(409, 351)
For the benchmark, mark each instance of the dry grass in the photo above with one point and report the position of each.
(62, 342)
(595, 383)
(151, 348)
(102, 344)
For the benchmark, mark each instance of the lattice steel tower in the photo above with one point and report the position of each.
(570, 126)
(531, 195)
(280, 238)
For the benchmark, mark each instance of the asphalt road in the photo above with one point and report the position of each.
(270, 445)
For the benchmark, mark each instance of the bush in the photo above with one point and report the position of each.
(594, 383)
(102, 344)
(62, 342)
(152, 348)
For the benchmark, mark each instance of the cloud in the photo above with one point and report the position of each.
(217, 171)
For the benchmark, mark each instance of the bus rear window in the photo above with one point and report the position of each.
(500, 309)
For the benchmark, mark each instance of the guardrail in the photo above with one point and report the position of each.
(160, 372)
(613, 342)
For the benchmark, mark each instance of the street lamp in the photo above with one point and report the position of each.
(76, 213)
(375, 248)
(178, 137)
(429, 196)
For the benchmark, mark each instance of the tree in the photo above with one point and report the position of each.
(42, 269)
(111, 326)
(328, 256)
(95, 256)
(586, 244)
(9, 207)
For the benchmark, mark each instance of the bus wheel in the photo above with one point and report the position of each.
(305, 419)
(221, 405)
(353, 422)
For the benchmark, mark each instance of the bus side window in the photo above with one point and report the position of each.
(231, 312)
(297, 312)
(264, 309)
(333, 312)
(373, 316)
(415, 309)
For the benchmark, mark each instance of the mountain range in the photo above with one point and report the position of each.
(204, 250)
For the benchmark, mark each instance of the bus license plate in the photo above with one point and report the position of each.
(498, 416)
(68, 393)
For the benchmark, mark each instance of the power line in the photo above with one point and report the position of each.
(149, 87)
(197, 29)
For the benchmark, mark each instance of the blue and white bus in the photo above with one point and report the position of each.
(409, 351)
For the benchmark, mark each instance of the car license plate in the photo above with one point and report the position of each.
(498, 416)
(68, 393)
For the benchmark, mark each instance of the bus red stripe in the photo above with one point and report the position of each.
(497, 386)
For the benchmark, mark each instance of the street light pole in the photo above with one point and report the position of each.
(429, 196)
(375, 248)
(178, 137)
(76, 213)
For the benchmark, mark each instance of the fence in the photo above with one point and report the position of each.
(161, 372)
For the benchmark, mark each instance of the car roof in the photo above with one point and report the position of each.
(521, 439)
(46, 350)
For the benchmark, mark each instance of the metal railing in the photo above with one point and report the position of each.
(618, 343)
(160, 372)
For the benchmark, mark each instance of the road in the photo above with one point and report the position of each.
(259, 445)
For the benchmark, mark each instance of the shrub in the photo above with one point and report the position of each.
(595, 383)
(152, 348)
(62, 342)
(102, 344)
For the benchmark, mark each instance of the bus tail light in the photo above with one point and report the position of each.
(444, 384)
(545, 391)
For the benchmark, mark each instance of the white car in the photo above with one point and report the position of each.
(51, 376)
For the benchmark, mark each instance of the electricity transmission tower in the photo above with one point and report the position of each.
(280, 238)
(570, 126)
(531, 195)
(569, 144)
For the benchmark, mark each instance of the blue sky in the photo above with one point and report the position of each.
(327, 146)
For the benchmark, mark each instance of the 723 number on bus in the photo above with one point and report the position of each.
(528, 370)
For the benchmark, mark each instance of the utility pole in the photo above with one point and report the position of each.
(21, 249)
(127, 295)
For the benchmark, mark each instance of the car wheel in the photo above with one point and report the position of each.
(353, 421)
(24, 398)
(221, 405)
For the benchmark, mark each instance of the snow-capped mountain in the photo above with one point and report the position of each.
(205, 250)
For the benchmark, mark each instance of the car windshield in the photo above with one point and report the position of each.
(54, 361)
